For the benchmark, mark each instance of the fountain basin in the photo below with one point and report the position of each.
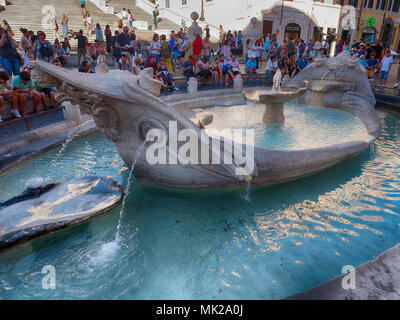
(56, 207)
(127, 109)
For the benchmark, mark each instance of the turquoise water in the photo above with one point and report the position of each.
(304, 127)
(210, 244)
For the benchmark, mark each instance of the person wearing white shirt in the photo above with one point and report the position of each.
(386, 64)
(272, 66)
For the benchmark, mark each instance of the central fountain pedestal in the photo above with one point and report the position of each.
(274, 103)
(274, 112)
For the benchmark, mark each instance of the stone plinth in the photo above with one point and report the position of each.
(192, 87)
(238, 84)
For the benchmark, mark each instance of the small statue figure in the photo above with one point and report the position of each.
(277, 81)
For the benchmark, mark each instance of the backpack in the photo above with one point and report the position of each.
(45, 51)
(165, 50)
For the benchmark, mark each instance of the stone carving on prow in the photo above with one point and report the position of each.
(93, 104)
(148, 83)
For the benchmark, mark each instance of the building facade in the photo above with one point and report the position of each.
(296, 18)
(329, 20)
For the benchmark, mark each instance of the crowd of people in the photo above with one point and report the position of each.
(166, 55)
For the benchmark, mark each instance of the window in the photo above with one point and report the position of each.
(394, 5)
(353, 3)
(380, 4)
(184, 2)
(368, 4)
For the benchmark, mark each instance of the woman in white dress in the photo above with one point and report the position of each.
(65, 26)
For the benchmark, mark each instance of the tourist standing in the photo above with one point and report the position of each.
(155, 47)
(99, 33)
(166, 52)
(226, 50)
(122, 43)
(55, 25)
(89, 24)
(82, 43)
(290, 48)
(377, 47)
(65, 26)
(26, 42)
(83, 5)
(272, 66)
(130, 19)
(7, 27)
(108, 34)
(196, 46)
(42, 49)
(207, 30)
(386, 64)
(206, 51)
(156, 13)
(125, 17)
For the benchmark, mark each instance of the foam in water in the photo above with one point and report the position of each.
(105, 254)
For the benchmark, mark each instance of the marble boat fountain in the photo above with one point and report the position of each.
(126, 107)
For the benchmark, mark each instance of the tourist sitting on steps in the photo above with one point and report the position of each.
(6, 93)
(136, 66)
(86, 67)
(188, 67)
(123, 63)
(25, 88)
(166, 76)
(203, 70)
(251, 69)
(151, 63)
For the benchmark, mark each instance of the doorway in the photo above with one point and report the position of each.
(267, 27)
(292, 31)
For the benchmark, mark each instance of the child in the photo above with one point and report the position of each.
(7, 93)
(216, 70)
(372, 64)
(386, 64)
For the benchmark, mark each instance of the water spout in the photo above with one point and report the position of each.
(126, 191)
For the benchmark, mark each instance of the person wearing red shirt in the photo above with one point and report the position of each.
(196, 45)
